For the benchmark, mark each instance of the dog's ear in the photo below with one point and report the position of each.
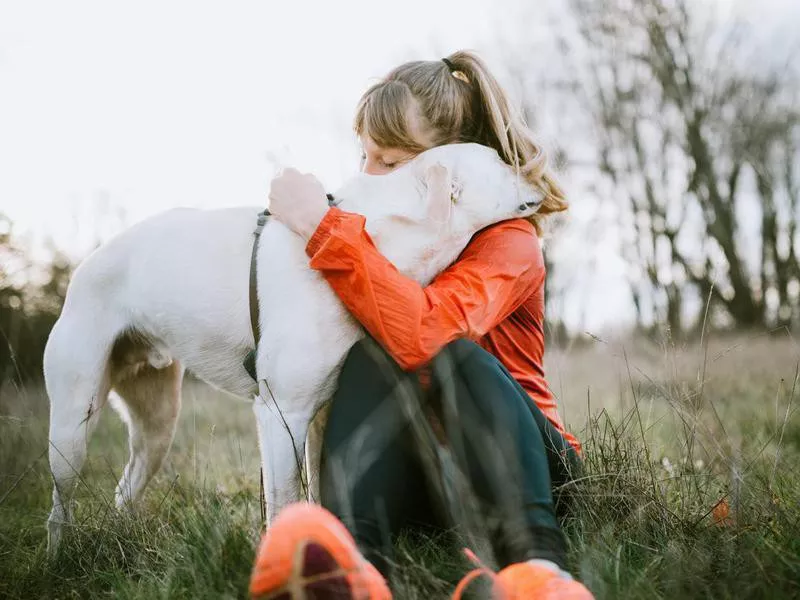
(440, 192)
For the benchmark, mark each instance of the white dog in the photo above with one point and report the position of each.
(171, 293)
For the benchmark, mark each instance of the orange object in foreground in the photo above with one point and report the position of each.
(493, 294)
(308, 553)
(523, 581)
(721, 513)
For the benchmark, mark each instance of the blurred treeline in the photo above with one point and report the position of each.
(31, 296)
(692, 142)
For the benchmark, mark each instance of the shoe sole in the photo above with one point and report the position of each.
(315, 576)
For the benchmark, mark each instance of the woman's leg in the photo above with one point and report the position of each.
(509, 451)
(370, 476)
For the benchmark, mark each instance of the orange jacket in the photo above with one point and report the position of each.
(493, 294)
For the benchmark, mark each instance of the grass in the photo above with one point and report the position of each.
(669, 433)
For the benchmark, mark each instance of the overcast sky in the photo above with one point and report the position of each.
(148, 105)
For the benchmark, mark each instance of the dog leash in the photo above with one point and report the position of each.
(249, 362)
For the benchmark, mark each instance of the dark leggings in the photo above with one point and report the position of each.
(380, 471)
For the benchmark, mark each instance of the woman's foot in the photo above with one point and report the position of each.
(308, 553)
(535, 579)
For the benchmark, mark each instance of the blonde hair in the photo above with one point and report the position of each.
(444, 106)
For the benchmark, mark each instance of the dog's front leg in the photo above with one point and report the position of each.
(281, 440)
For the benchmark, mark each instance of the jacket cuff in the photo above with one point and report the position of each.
(323, 231)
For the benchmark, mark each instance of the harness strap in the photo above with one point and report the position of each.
(262, 220)
(250, 360)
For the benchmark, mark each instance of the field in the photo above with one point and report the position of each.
(691, 490)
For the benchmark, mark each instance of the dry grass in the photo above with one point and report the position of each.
(668, 432)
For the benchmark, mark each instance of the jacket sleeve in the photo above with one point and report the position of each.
(497, 271)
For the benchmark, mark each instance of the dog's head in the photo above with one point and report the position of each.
(424, 213)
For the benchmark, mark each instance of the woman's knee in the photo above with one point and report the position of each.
(478, 370)
(365, 392)
(469, 359)
(472, 388)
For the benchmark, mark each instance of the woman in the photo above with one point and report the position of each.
(469, 345)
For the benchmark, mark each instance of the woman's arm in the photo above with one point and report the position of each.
(498, 270)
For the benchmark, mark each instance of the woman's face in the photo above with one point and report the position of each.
(377, 160)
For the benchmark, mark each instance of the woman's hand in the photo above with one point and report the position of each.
(298, 201)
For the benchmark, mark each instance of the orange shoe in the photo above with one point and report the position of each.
(524, 581)
(308, 553)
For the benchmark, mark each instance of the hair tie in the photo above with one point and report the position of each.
(455, 72)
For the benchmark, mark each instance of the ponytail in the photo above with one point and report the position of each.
(452, 100)
(505, 130)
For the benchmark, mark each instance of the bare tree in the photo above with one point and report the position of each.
(697, 141)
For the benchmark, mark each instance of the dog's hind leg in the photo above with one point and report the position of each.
(151, 401)
(76, 378)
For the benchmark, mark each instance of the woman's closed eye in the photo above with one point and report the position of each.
(381, 162)
(378, 160)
